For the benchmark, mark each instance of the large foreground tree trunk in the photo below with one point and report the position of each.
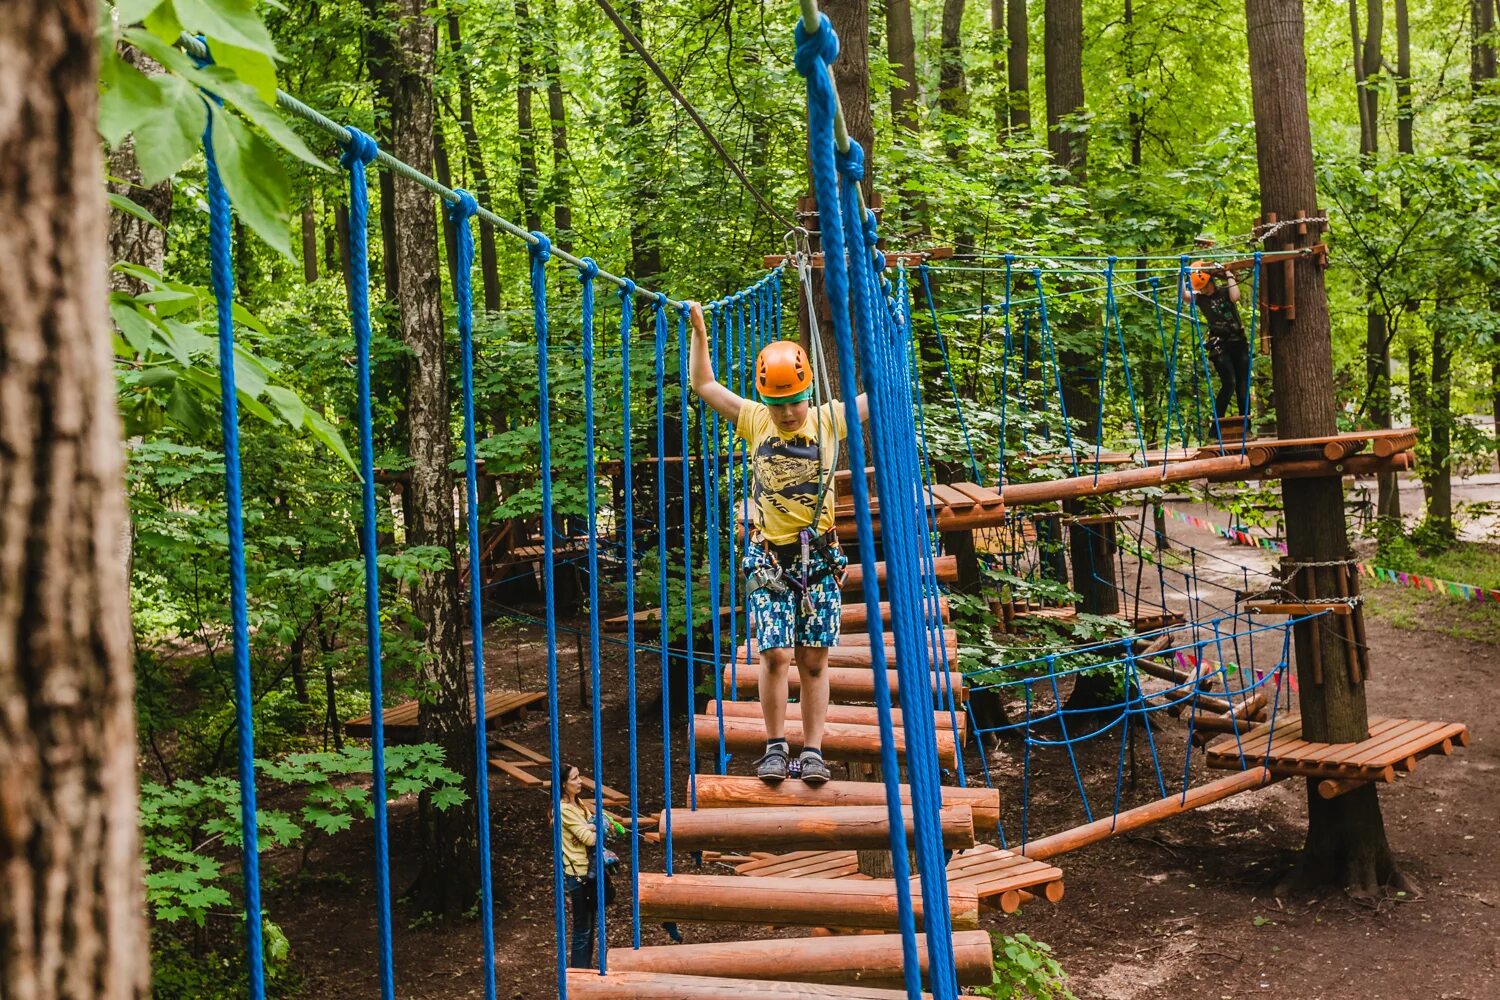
(1346, 841)
(72, 910)
(450, 875)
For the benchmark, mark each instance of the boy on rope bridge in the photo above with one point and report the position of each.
(793, 563)
(1227, 346)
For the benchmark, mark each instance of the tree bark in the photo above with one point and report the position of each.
(1404, 143)
(380, 57)
(561, 190)
(132, 239)
(449, 879)
(72, 911)
(953, 89)
(309, 240)
(1346, 841)
(526, 169)
(645, 247)
(489, 267)
(901, 50)
(851, 74)
(1063, 40)
(1437, 478)
(1017, 65)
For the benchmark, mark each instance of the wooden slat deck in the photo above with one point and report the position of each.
(530, 769)
(400, 720)
(1393, 744)
(1002, 879)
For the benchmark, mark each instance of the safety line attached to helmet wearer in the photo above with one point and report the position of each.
(822, 394)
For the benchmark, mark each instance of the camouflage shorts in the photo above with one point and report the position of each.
(785, 619)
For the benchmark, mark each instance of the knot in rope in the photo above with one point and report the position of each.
(359, 148)
(627, 290)
(851, 161)
(206, 59)
(1155, 281)
(820, 46)
(542, 248)
(872, 227)
(589, 270)
(880, 266)
(463, 208)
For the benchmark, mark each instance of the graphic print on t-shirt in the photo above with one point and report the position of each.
(786, 472)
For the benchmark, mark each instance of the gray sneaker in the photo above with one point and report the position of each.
(812, 768)
(772, 767)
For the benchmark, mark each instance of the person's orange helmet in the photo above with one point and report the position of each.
(782, 372)
(1198, 275)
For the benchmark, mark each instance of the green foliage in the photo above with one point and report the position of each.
(1026, 970)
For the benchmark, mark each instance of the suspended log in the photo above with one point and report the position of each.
(587, 984)
(790, 902)
(864, 959)
(730, 791)
(1018, 494)
(857, 654)
(855, 616)
(841, 740)
(790, 828)
(859, 715)
(1151, 812)
(858, 639)
(844, 683)
(945, 566)
(1332, 788)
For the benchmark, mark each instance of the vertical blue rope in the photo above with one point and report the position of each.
(687, 552)
(627, 320)
(586, 276)
(463, 293)
(660, 318)
(541, 252)
(1169, 363)
(221, 265)
(708, 444)
(1046, 331)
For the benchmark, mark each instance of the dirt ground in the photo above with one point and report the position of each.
(1182, 910)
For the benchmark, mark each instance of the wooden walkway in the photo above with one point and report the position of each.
(400, 721)
(526, 767)
(1393, 745)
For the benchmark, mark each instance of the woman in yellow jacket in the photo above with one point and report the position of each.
(579, 837)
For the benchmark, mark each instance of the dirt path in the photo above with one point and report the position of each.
(1181, 911)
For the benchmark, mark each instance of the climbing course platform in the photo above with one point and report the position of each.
(853, 618)
(720, 791)
(859, 715)
(526, 767)
(832, 959)
(844, 683)
(788, 827)
(586, 984)
(842, 741)
(401, 726)
(1393, 745)
(1001, 879)
(790, 901)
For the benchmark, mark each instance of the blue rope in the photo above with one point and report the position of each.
(1169, 363)
(627, 321)
(586, 277)
(463, 293)
(687, 553)
(541, 251)
(817, 47)
(1113, 315)
(1046, 331)
(221, 267)
(708, 446)
(1005, 372)
(660, 317)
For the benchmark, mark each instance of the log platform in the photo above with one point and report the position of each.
(527, 768)
(853, 904)
(400, 721)
(1001, 879)
(857, 654)
(859, 715)
(1393, 745)
(730, 791)
(854, 618)
(844, 683)
(587, 984)
(841, 960)
(794, 827)
(841, 740)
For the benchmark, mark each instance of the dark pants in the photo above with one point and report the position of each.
(1232, 362)
(584, 902)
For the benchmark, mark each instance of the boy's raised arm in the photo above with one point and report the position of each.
(724, 401)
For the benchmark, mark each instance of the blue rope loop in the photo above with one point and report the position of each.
(360, 148)
(590, 270)
(816, 50)
(462, 210)
(542, 250)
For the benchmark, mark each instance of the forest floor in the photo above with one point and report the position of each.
(1183, 910)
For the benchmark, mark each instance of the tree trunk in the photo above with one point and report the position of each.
(1403, 81)
(526, 170)
(953, 90)
(309, 240)
(72, 911)
(1017, 65)
(1346, 841)
(997, 66)
(851, 74)
(645, 247)
(1135, 121)
(1063, 40)
(132, 239)
(1438, 476)
(489, 267)
(560, 194)
(901, 50)
(380, 57)
(449, 878)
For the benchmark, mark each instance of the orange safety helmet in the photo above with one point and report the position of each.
(782, 373)
(1198, 275)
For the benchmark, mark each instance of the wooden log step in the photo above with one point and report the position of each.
(587, 984)
(1298, 608)
(845, 683)
(400, 722)
(841, 740)
(790, 902)
(859, 715)
(862, 959)
(790, 828)
(854, 617)
(946, 567)
(857, 640)
(859, 655)
(721, 791)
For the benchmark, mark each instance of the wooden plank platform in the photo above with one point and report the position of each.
(587, 984)
(722, 791)
(400, 721)
(530, 769)
(1002, 879)
(1393, 744)
(837, 960)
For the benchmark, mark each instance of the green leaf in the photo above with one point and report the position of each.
(255, 180)
(163, 24)
(120, 203)
(329, 435)
(288, 403)
(173, 133)
(185, 409)
(158, 377)
(129, 98)
(135, 11)
(252, 66)
(233, 21)
(137, 330)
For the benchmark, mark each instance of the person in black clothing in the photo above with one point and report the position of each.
(1215, 293)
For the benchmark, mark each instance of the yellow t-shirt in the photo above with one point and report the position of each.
(785, 468)
(578, 836)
